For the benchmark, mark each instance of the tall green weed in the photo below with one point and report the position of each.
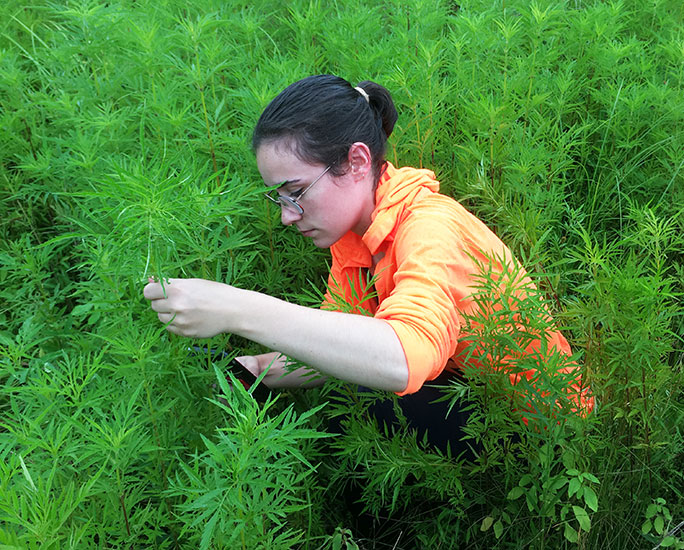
(125, 154)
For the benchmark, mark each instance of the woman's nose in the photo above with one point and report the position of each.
(288, 215)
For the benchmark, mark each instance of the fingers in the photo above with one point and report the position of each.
(175, 330)
(166, 318)
(161, 306)
(159, 302)
(185, 306)
(153, 291)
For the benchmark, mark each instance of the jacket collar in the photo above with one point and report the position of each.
(394, 194)
(396, 191)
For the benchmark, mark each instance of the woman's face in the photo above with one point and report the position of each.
(333, 206)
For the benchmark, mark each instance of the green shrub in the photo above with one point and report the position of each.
(125, 140)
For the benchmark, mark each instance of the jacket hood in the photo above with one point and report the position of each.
(396, 191)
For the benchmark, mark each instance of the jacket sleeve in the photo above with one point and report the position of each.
(432, 285)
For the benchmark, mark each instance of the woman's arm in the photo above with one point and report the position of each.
(355, 348)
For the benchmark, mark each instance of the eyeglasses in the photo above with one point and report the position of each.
(292, 202)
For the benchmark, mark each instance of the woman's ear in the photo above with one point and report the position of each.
(360, 160)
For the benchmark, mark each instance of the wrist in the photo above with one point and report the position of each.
(226, 309)
(246, 319)
(239, 311)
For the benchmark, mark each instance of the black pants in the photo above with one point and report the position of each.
(425, 415)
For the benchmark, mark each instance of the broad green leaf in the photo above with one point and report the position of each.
(568, 461)
(515, 493)
(498, 529)
(573, 486)
(591, 477)
(646, 527)
(525, 480)
(659, 525)
(559, 483)
(570, 533)
(582, 517)
(590, 498)
(81, 309)
(564, 511)
(486, 523)
(532, 498)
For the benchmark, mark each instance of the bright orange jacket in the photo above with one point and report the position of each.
(424, 282)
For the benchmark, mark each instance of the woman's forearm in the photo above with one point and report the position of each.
(354, 348)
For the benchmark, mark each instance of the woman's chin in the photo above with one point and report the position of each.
(321, 240)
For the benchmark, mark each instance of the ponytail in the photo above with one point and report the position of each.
(382, 105)
(321, 116)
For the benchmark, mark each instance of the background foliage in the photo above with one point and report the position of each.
(125, 153)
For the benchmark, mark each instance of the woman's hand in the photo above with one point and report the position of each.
(278, 375)
(192, 307)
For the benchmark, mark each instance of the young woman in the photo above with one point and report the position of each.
(320, 149)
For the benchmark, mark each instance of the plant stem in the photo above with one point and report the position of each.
(30, 141)
(206, 121)
(125, 514)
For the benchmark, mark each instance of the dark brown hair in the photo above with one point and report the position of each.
(323, 115)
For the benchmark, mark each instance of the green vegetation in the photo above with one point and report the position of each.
(125, 132)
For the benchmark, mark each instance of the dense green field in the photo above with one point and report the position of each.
(124, 134)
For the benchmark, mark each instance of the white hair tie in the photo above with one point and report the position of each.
(363, 93)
